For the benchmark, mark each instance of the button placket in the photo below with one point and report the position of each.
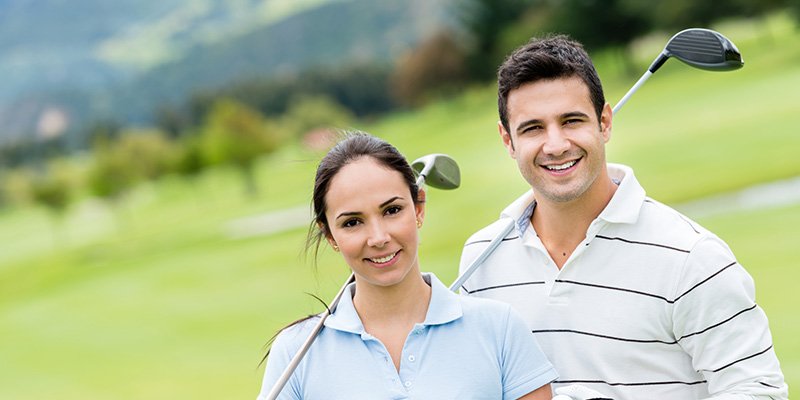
(410, 365)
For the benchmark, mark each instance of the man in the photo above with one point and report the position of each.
(626, 296)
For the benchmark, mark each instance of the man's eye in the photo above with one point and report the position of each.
(532, 128)
(572, 121)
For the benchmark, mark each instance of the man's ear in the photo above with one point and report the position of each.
(508, 141)
(606, 116)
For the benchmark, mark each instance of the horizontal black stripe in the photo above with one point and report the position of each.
(645, 293)
(502, 286)
(489, 240)
(720, 323)
(621, 339)
(743, 359)
(768, 385)
(705, 280)
(578, 381)
(614, 288)
(663, 246)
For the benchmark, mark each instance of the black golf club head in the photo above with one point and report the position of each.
(437, 170)
(696, 47)
(701, 48)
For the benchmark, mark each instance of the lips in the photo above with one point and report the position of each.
(385, 260)
(561, 167)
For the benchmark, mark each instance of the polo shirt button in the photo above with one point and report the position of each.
(408, 383)
(412, 358)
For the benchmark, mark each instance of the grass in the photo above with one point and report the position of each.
(152, 300)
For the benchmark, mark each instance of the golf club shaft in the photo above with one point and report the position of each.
(632, 90)
(482, 257)
(287, 373)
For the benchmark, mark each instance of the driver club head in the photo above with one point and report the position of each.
(704, 49)
(437, 170)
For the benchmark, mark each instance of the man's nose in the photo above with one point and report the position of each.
(556, 142)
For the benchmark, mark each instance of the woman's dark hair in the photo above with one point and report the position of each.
(353, 146)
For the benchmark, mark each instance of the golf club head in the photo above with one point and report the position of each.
(704, 49)
(437, 170)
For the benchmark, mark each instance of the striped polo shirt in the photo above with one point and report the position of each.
(649, 306)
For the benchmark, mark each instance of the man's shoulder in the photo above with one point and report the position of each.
(489, 232)
(659, 214)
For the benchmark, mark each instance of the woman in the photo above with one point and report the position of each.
(398, 333)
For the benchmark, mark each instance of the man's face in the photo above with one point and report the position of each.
(556, 138)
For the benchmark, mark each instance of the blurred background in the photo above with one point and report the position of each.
(157, 158)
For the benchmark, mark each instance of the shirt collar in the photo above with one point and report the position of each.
(624, 206)
(444, 307)
(627, 201)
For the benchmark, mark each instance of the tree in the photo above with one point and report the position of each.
(484, 22)
(53, 188)
(600, 23)
(238, 135)
(307, 113)
(135, 156)
(437, 65)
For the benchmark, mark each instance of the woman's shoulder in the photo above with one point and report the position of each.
(487, 309)
(292, 337)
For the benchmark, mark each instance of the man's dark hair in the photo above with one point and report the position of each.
(550, 57)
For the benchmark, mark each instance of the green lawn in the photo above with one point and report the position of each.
(152, 300)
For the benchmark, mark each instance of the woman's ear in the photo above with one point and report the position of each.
(327, 234)
(419, 207)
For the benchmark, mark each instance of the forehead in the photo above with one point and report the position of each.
(549, 97)
(362, 184)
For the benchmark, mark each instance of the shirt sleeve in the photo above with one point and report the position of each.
(525, 367)
(717, 321)
(283, 349)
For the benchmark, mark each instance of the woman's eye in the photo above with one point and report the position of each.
(350, 223)
(393, 210)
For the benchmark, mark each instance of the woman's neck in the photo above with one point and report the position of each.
(401, 304)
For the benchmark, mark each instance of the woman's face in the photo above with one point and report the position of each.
(373, 220)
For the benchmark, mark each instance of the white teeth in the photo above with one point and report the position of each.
(384, 259)
(560, 167)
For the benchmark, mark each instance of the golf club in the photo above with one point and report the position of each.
(697, 47)
(437, 170)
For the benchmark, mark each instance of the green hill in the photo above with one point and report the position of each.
(154, 300)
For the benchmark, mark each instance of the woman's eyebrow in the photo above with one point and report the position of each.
(352, 213)
(385, 203)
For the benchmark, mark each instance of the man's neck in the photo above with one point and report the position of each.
(562, 226)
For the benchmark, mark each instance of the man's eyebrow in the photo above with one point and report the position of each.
(527, 123)
(535, 121)
(574, 114)
(351, 213)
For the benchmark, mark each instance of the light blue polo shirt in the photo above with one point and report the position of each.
(467, 348)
